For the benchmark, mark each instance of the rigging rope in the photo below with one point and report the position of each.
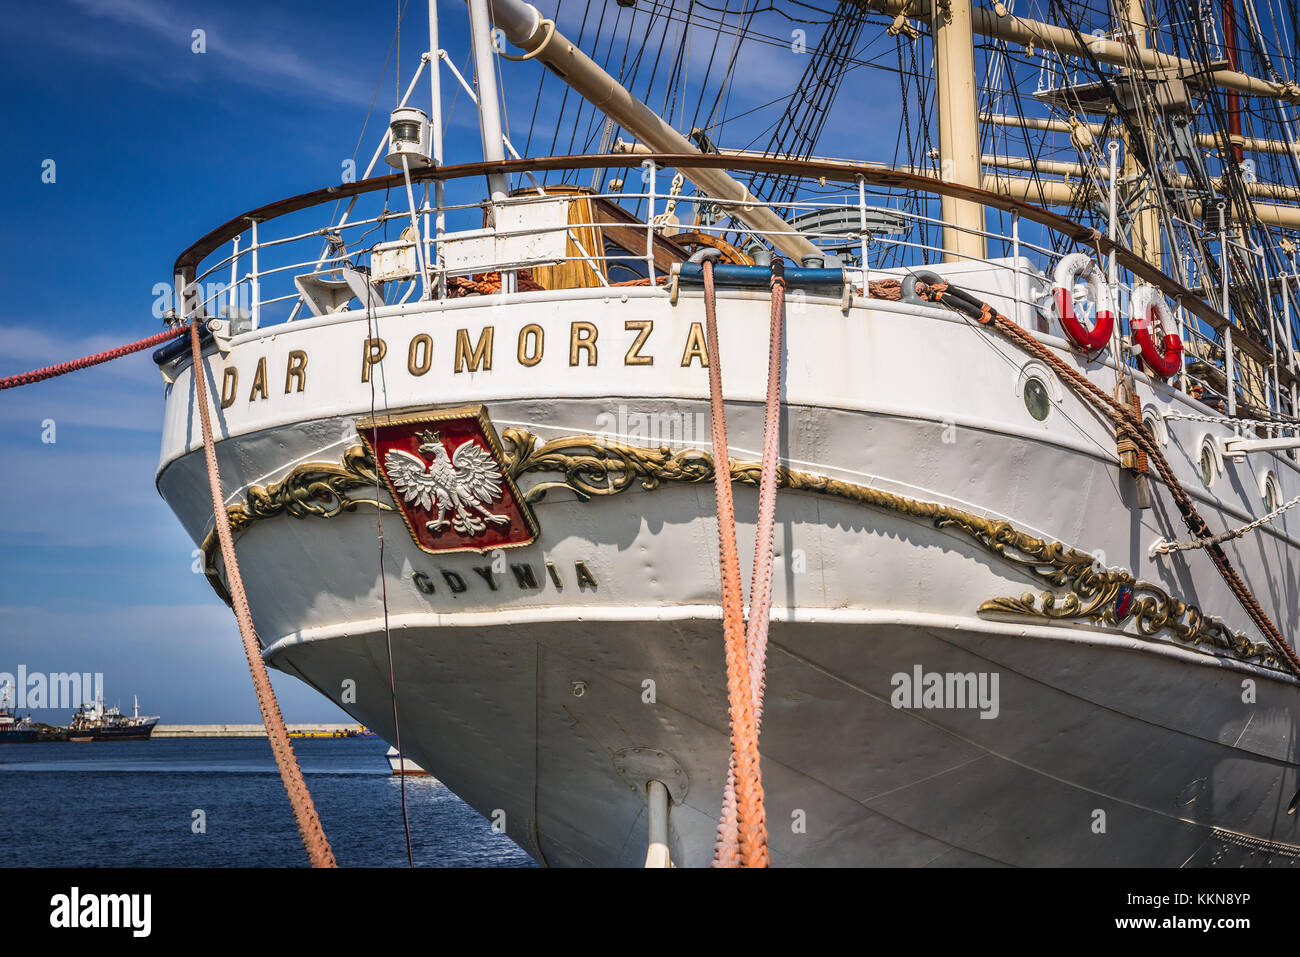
(371, 335)
(742, 832)
(1130, 422)
(304, 810)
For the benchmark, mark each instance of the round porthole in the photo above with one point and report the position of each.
(1270, 493)
(1037, 401)
(1207, 465)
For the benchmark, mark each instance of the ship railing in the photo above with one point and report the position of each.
(253, 270)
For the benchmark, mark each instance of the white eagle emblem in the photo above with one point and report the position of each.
(463, 484)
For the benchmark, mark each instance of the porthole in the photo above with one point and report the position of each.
(1269, 491)
(1037, 401)
(1154, 424)
(1207, 465)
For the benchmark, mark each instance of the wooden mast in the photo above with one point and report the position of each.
(959, 139)
(1146, 234)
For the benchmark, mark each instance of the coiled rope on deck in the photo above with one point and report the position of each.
(304, 810)
(742, 830)
(1128, 421)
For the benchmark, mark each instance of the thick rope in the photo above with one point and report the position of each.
(1125, 418)
(760, 586)
(304, 810)
(63, 368)
(744, 823)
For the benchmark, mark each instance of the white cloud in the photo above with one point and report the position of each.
(240, 54)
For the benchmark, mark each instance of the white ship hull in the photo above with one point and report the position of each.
(546, 693)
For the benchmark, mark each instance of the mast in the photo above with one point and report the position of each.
(489, 101)
(1146, 234)
(1063, 42)
(435, 133)
(1234, 101)
(524, 27)
(959, 141)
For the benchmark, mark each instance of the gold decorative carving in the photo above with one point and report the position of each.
(593, 466)
(317, 489)
(590, 466)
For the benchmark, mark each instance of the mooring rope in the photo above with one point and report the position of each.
(742, 830)
(304, 810)
(63, 368)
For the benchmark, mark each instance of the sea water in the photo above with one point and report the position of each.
(218, 802)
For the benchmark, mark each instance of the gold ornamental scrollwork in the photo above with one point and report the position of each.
(591, 466)
(316, 489)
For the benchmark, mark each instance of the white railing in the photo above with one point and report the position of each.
(266, 262)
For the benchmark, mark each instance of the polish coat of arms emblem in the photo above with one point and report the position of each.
(444, 471)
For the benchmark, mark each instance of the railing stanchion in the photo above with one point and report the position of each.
(649, 166)
(1224, 260)
(1182, 357)
(862, 235)
(1018, 290)
(232, 297)
(255, 284)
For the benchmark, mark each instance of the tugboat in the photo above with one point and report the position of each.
(98, 723)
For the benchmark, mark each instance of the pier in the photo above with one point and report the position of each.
(255, 731)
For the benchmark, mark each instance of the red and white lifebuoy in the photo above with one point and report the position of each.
(1071, 269)
(1148, 308)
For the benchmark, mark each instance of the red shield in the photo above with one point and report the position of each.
(446, 473)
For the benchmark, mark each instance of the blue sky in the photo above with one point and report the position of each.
(153, 145)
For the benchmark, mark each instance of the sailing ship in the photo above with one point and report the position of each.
(463, 428)
(97, 723)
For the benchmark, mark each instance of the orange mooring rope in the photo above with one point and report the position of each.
(742, 831)
(304, 810)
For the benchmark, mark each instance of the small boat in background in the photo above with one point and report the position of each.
(13, 729)
(401, 764)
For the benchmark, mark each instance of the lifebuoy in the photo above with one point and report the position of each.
(1070, 270)
(1148, 308)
